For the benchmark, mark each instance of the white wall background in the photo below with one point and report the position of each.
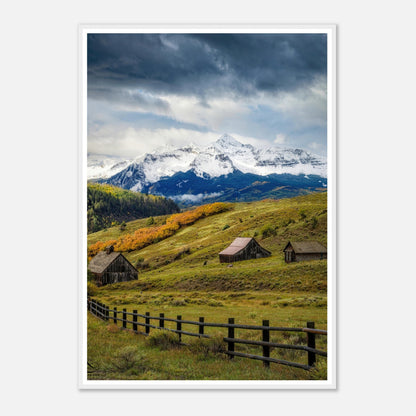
(376, 214)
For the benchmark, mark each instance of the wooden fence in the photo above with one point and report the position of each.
(103, 311)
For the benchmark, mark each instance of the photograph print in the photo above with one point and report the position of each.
(207, 188)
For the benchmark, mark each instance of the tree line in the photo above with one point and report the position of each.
(108, 206)
(149, 235)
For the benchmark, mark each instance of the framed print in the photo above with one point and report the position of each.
(207, 242)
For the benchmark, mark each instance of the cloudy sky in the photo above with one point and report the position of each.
(148, 90)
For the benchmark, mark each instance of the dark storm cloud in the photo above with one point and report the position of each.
(204, 65)
(129, 99)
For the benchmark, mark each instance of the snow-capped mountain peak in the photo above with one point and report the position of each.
(223, 157)
(227, 141)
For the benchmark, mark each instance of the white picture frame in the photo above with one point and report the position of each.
(330, 31)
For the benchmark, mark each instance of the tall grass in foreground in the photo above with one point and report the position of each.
(123, 355)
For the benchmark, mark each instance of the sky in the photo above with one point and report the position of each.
(150, 90)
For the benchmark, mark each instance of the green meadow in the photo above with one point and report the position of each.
(182, 275)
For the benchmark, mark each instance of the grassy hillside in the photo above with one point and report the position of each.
(182, 275)
(108, 205)
(189, 259)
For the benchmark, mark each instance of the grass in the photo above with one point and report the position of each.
(246, 307)
(123, 355)
(183, 276)
(289, 218)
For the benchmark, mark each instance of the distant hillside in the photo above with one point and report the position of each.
(109, 206)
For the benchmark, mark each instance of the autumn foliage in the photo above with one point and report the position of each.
(149, 235)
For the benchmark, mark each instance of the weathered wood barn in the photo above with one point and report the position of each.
(111, 267)
(304, 250)
(243, 249)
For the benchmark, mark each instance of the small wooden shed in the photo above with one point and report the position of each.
(304, 250)
(111, 267)
(243, 249)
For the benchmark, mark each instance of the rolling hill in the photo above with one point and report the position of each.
(188, 260)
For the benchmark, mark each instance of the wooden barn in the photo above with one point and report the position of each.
(111, 267)
(243, 249)
(304, 250)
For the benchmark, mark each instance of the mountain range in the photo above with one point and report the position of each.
(225, 170)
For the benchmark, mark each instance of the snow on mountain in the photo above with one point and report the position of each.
(293, 161)
(99, 166)
(225, 156)
(167, 163)
(212, 163)
(270, 160)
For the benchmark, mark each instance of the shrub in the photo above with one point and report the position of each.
(178, 302)
(225, 227)
(150, 221)
(287, 222)
(163, 339)
(128, 357)
(208, 346)
(122, 226)
(113, 328)
(267, 231)
(142, 265)
(319, 372)
(184, 251)
(302, 214)
(314, 222)
(90, 276)
(213, 302)
(139, 262)
(91, 289)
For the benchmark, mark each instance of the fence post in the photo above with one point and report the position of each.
(231, 335)
(147, 321)
(311, 344)
(124, 318)
(266, 348)
(179, 326)
(161, 320)
(115, 315)
(135, 320)
(88, 304)
(201, 327)
(107, 312)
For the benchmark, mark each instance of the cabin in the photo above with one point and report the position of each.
(111, 267)
(243, 249)
(304, 251)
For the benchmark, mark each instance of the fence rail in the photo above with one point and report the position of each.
(103, 311)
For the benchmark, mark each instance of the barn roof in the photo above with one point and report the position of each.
(237, 245)
(301, 247)
(102, 260)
